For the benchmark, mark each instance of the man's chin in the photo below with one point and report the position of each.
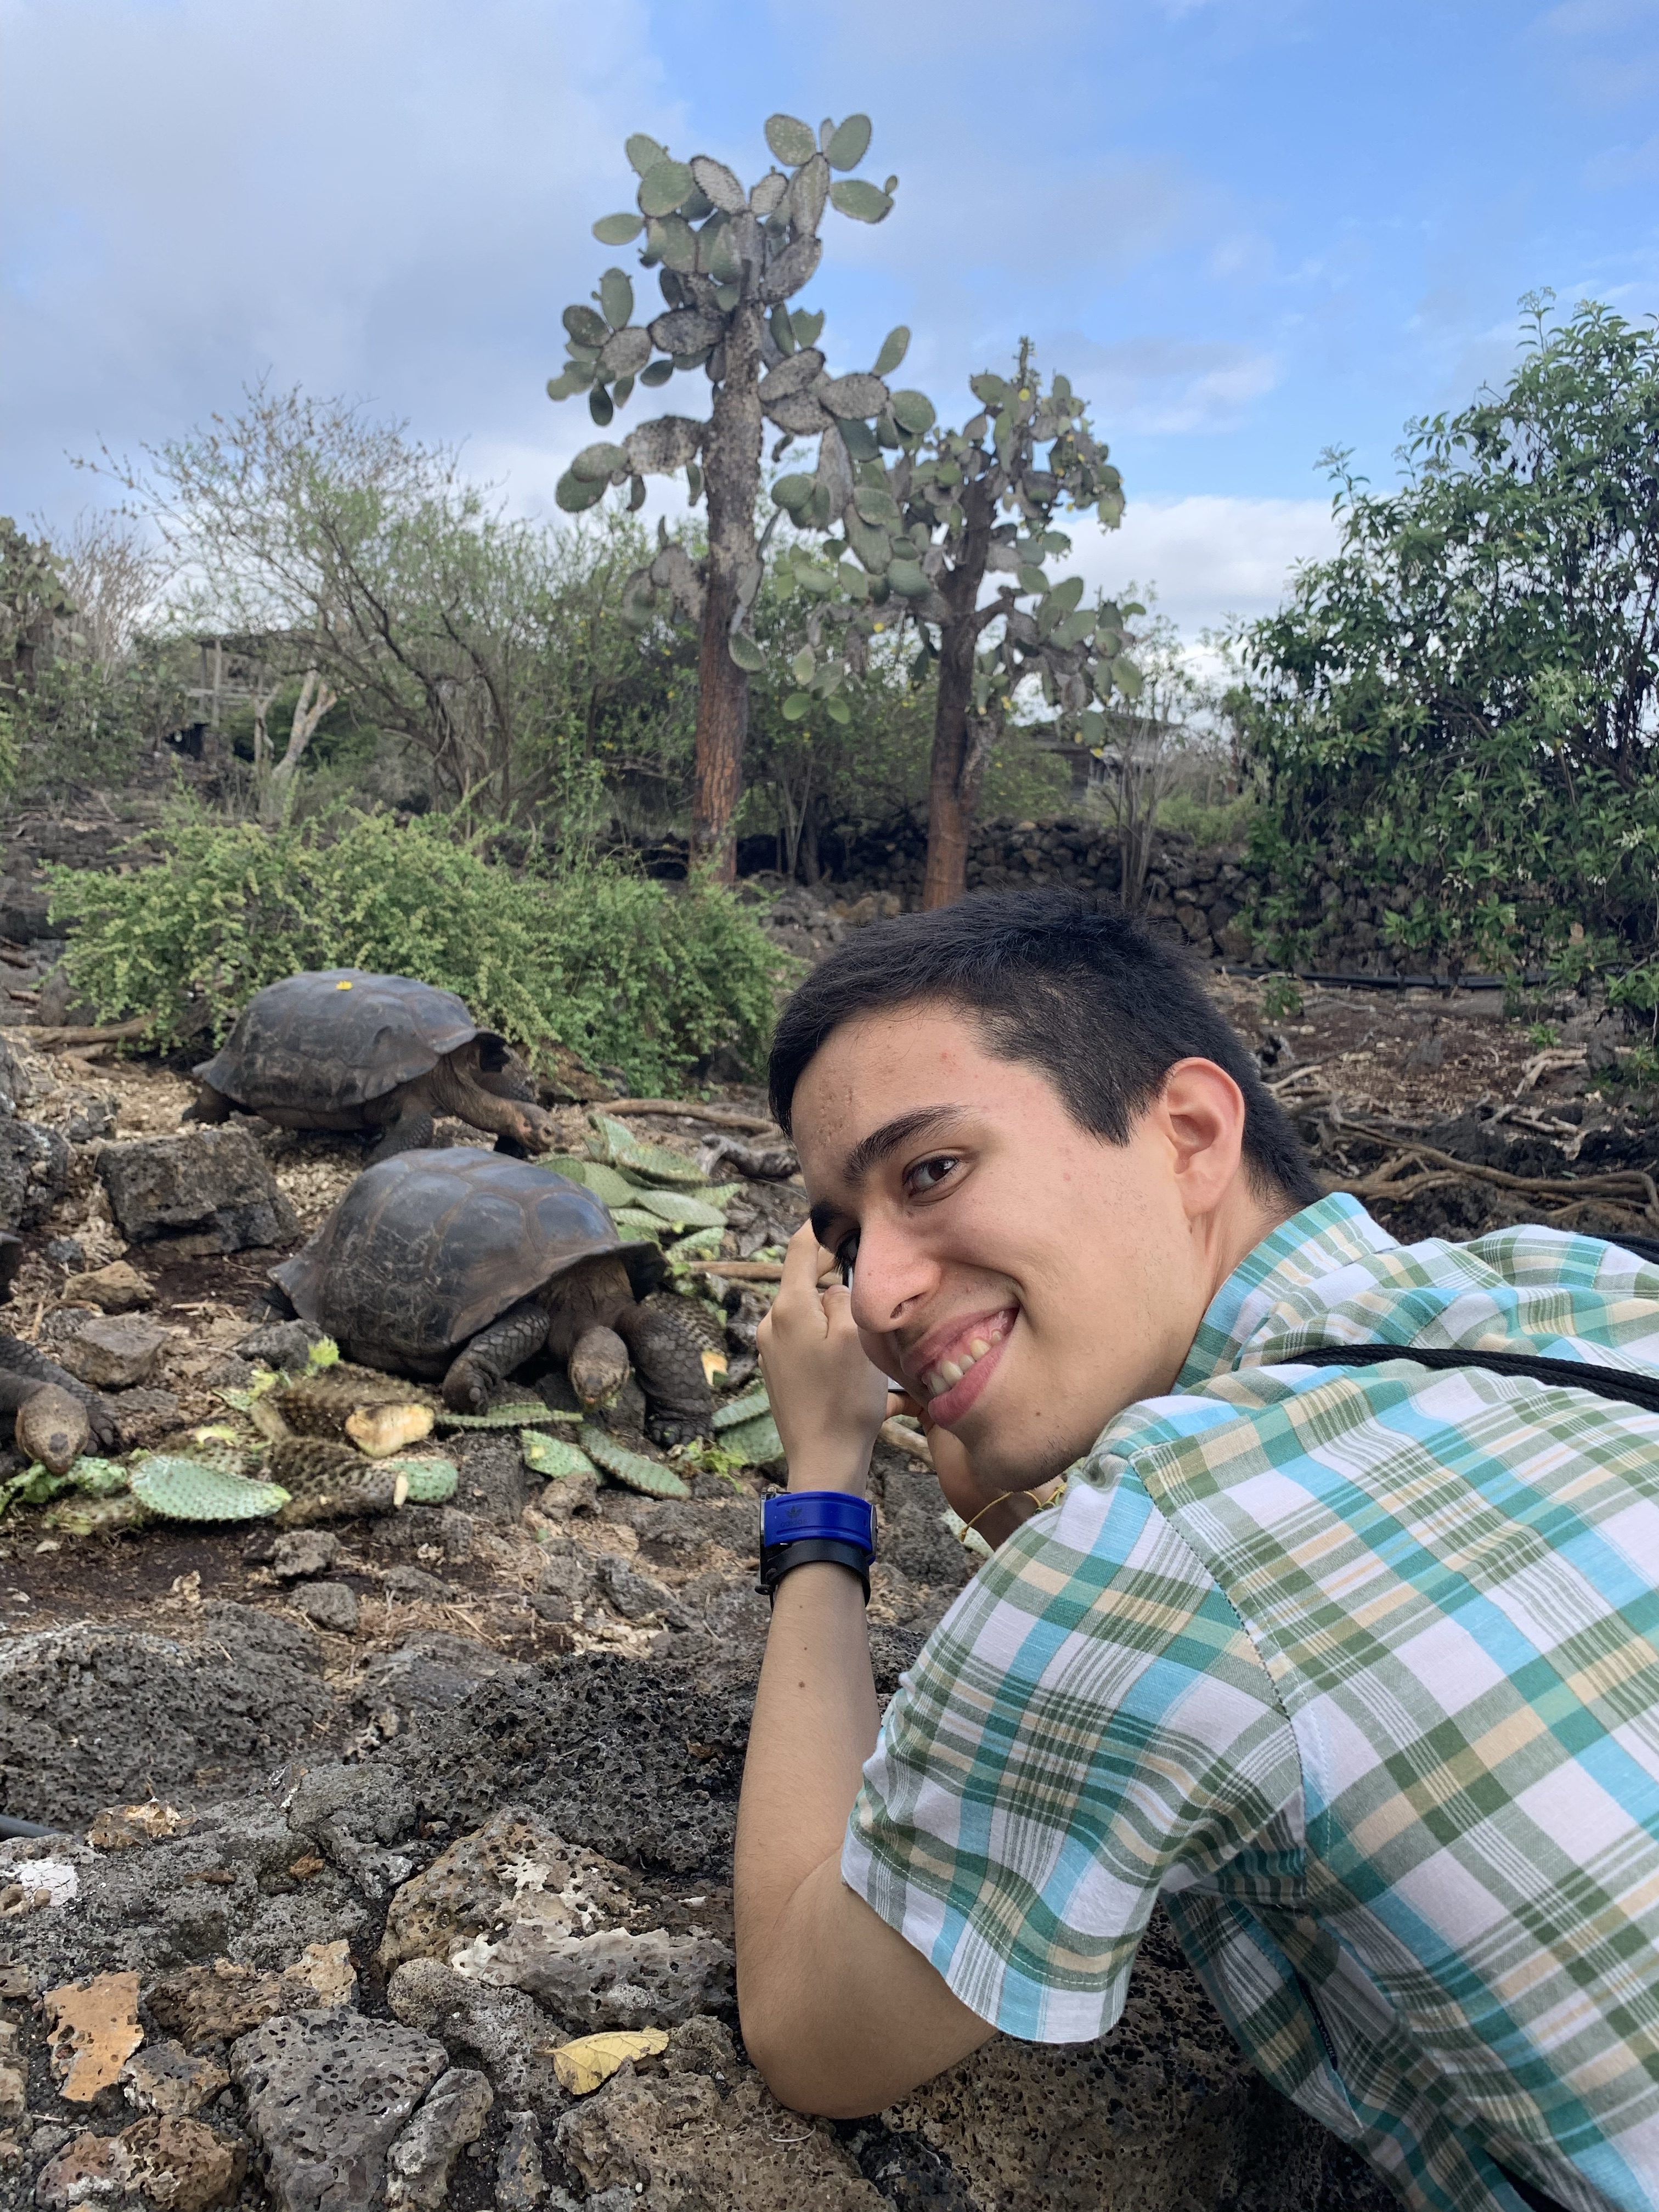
(1004, 1456)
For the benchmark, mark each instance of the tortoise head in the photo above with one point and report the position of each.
(51, 1427)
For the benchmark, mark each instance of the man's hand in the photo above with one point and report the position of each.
(828, 1401)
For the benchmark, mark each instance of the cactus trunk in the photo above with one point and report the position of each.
(958, 759)
(732, 471)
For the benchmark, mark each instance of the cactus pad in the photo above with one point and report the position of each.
(554, 1455)
(431, 1481)
(331, 1482)
(631, 1468)
(682, 1209)
(179, 1489)
(525, 1413)
(754, 1442)
(636, 1221)
(700, 1244)
(736, 1411)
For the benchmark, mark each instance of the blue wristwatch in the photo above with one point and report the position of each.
(801, 1527)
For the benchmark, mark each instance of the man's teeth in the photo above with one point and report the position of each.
(950, 1372)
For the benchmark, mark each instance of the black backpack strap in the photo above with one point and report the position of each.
(1621, 1383)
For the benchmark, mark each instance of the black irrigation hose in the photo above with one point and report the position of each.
(11, 1829)
(1394, 982)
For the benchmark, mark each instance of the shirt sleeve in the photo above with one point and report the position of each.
(1089, 1724)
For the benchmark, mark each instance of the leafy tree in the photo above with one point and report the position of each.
(348, 550)
(1463, 702)
(925, 533)
(728, 260)
(80, 690)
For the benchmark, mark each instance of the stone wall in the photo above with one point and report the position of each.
(1190, 894)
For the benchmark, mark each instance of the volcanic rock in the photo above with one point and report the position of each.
(328, 2094)
(214, 1180)
(419, 2164)
(115, 1353)
(35, 1167)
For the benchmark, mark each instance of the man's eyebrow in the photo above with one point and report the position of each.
(870, 1151)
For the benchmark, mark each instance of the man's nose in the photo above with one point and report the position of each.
(890, 1277)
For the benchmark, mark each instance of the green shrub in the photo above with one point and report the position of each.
(646, 977)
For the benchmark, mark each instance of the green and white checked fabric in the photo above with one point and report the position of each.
(1358, 1669)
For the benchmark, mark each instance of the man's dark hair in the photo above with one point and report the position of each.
(1091, 998)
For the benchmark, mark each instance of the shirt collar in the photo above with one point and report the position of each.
(1329, 1235)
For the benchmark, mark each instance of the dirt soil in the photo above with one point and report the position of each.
(581, 1664)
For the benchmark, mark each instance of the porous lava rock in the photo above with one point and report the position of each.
(34, 1170)
(420, 2162)
(94, 1716)
(681, 2135)
(501, 2030)
(598, 1746)
(213, 1181)
(328, 2094)
(114, 1352)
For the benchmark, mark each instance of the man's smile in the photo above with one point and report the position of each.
(953, 1362)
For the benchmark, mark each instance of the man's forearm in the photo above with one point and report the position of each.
(815, 1724)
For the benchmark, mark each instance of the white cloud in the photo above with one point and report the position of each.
(387, 198)
(1210, 558)
(1160, 384)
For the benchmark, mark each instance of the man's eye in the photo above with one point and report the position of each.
(927, 1175)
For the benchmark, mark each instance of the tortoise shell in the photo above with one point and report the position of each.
(427, 1249)
(335, 1038)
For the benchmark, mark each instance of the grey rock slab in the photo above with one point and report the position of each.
(35, 1167)
(520, 2180)
(332, 1606)
(328, 2094)
(432, 1673)
(501, 2030)
(212, 1180)
(116, 1352)
(303, 1552)
(92, 1716)
(420, 2162)
(609, 1980)
(635, 1596)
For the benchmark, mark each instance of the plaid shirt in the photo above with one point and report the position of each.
(1358, 1670)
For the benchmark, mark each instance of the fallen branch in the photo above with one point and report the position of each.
(907, 1440)
(60, 1040)
(1631, 1188)
(738, 1271)
(725, 1116)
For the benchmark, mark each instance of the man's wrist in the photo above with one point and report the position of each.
(811, 1473)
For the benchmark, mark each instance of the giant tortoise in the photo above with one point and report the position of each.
(459, 1266)
(341, 1049)
(55, 1416)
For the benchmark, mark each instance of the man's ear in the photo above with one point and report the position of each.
(1202, 1110)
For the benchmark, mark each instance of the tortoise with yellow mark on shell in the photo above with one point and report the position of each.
(339, 1049)
(457, 1266)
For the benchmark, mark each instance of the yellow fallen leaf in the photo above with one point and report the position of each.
(584, 2065)
(714, 1363)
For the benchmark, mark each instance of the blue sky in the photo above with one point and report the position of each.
(1248, 229)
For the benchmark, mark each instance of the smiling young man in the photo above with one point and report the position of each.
(1354, 1666)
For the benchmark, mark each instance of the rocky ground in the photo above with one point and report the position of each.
(357, 1829)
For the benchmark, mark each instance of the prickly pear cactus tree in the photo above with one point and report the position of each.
(979, 501)
(727, 260)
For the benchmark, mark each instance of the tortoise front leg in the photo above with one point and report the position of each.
(668, 1360)
(22, 1360)
(493, 1353)
(410, 1131)
(211, 1106)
